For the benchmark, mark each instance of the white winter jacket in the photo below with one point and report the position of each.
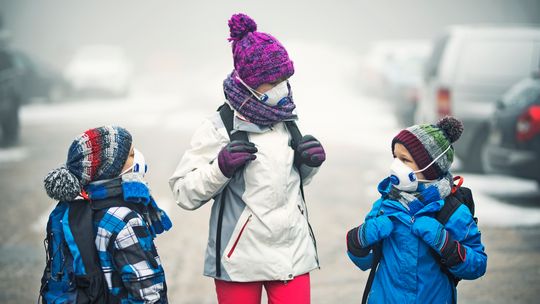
(265, 234)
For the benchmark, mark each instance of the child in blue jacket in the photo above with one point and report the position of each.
(403, 223)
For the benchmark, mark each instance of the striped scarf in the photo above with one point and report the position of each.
(427, 193)
(253, 110)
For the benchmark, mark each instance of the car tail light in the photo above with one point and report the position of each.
(528, 124)
(443, 102)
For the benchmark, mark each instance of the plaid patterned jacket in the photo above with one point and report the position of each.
(128, 257)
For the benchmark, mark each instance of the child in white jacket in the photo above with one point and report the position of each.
(248, 159)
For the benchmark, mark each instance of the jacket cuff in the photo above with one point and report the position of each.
(220, 177)
(453, 253)
(353, 244)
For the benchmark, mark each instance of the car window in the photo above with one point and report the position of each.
(524, 92)
(494, 62)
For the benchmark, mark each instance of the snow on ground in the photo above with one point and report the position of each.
(15, 154)
(489, 191)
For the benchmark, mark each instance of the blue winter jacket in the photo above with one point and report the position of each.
(408, 272)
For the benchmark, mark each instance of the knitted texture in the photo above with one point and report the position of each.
(61, 185)
(253, 110)
(258, 57)
(426, 142)
(96, 154)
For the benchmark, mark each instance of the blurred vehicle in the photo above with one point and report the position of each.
(37, 81)
(402, 76)
(513, 145)
(99, 69)
(469, 68)
(372, 70)
(9, 99)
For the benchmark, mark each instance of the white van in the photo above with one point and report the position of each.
(469, 69)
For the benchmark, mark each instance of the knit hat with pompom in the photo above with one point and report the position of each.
(425, 142)
(96, 154)
(258, 57)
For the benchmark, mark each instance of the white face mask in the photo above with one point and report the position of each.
(276, 96)
(139, 164)
(404, 178)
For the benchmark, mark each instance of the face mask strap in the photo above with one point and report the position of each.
(252, 91)
(436, 158)
(136, 162)
(127, 170)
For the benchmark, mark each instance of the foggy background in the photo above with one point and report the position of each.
(178, 56)
(195, 31)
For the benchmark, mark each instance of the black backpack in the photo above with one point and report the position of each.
(459, 196)
(73, 270)
(227, 116)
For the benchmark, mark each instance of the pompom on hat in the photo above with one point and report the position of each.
(96, 154)
(425, 142)
(258, 57)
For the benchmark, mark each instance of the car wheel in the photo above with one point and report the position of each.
(474, 160)
(10, 126)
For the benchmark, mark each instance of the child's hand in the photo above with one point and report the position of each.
(234, 155)
(438, 238)
(353, 243)
(374, 230)
(310, 152)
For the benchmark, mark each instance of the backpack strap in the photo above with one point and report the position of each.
(227, 116)
(377, 256)
(80, 217)
(89, 277)
(296, 135)
(460, 195)
(451, 204)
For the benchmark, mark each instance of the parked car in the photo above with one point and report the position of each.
(403, 79)
(99, 69)
(9, 100)
(469, 68)
(513, 145)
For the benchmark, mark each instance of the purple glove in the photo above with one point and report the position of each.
(234, 155)
(310, 152)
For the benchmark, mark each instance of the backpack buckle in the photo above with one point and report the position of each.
(460, 182)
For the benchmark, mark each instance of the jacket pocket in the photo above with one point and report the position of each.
(239, 236)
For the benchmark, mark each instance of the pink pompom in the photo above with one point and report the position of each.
(240, 25)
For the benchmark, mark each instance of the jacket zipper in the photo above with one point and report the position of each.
(238, 237)
(311, 234)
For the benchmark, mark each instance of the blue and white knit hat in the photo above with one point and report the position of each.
(96, 154)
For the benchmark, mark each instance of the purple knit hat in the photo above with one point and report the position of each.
(258, 57)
